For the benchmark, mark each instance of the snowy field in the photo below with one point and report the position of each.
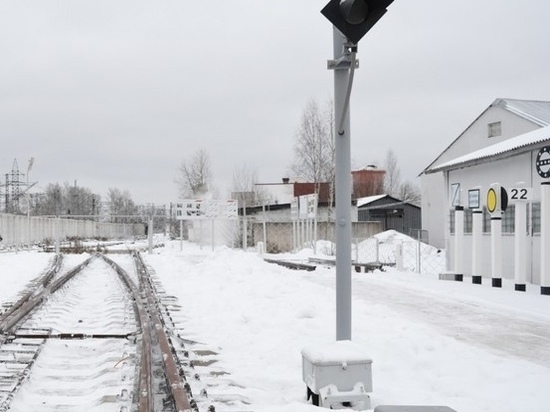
(471, 347)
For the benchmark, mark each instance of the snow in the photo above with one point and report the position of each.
(336, 353)
(369, 199)
(432, 342)
(526, 139)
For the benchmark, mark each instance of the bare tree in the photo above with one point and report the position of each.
(409, 192)
(314, 147)
(195, 176)
(51, 201)
(406, 191)
(244, 187)
(245, 177)
(121, 203)
(66, 200)
(392, 179)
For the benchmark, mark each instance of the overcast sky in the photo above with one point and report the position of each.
(117, 93)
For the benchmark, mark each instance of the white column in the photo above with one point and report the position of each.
(477, 253)
(520, 242)
(545, 238)
(496, 249)
(459, 240)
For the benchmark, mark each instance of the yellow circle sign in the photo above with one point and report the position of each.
(492, 200)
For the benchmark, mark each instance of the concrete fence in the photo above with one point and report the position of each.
(19, 230)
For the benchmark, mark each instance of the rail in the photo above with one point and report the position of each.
(175, 383)
(150, 334)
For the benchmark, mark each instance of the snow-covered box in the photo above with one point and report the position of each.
(338, 372)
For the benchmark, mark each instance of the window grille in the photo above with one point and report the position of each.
(535, 211)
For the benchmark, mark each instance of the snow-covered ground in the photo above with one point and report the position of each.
(471, 347)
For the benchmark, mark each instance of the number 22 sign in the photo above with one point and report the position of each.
(520, 194)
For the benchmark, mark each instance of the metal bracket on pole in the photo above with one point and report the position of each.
(344, 62)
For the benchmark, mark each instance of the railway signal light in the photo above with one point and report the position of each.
(354, 18)
(497, 199)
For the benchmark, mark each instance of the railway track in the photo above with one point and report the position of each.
(93, 338)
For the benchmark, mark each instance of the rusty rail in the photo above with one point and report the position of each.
(54, 268)
(175, 382)
(148, 317)
(146, 390)
(34, 298)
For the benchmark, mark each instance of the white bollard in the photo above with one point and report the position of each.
(477, 253)
(545, 238)
(496, 249)
(459, 240)
(520, 242)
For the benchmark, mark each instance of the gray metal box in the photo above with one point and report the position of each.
(342, 364)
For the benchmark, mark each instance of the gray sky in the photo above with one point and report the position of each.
(117, 93)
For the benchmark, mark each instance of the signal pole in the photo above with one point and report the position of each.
(351, 20)
(342, 64)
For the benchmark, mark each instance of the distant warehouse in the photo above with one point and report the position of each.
(393, 213)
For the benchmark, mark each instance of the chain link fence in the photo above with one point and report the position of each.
(401, 251)
(370, 244)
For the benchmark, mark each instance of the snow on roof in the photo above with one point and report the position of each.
(511, 145)
(362, 201)
(533, 110)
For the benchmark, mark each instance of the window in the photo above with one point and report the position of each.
(468, 220)
(494, 129)
(536, 217)
(509, 219)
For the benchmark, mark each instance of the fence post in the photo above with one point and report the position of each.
(57, 246)
(399, 256)
(264, 225)
(150, 235)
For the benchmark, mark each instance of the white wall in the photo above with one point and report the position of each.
(17, 230)
(433, 205)
(508, 172)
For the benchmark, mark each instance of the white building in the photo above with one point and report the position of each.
(501, 146)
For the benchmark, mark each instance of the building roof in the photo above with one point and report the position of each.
(507, 148)
(370, 202)
(535, 111)
(369, 199)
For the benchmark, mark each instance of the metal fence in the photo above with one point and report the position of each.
(284, 237)
(18, 230)
(411, 255)
(275, 237)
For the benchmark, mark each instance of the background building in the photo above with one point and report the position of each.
(504, 119)
(501, 146)
(394, 214)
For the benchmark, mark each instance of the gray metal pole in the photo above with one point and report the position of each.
(343, 194)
